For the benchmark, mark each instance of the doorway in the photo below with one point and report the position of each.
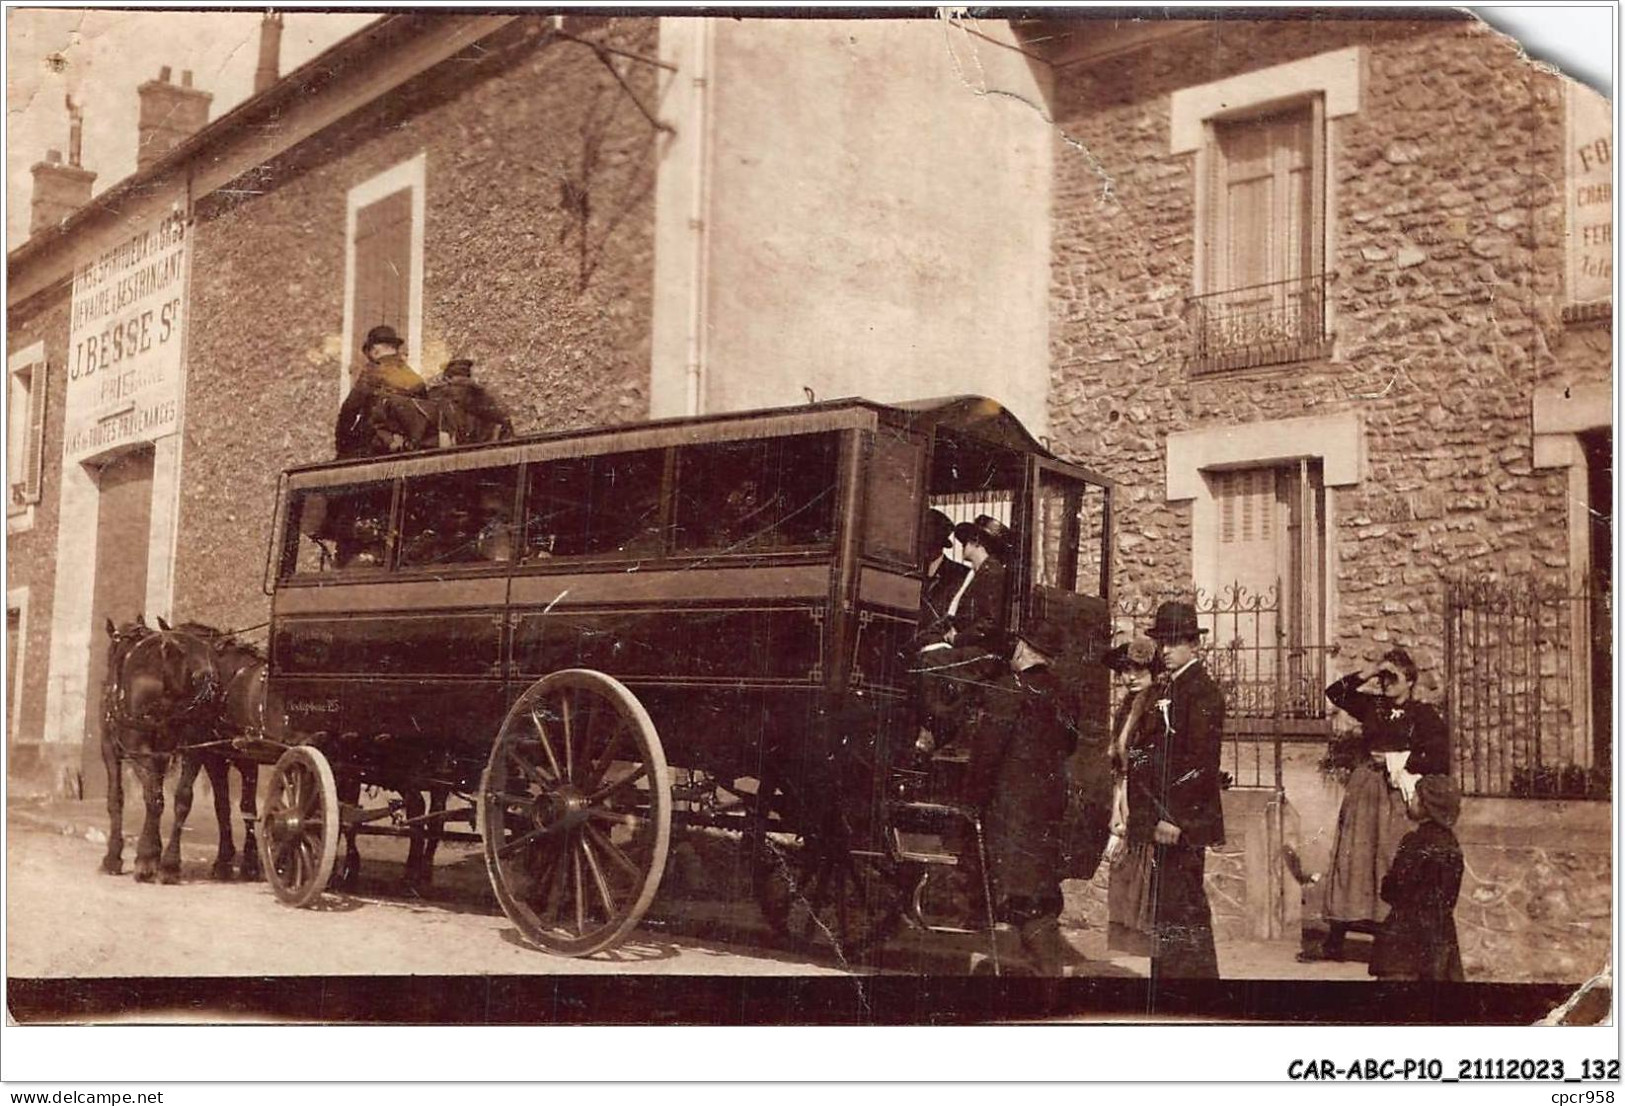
(123, 518)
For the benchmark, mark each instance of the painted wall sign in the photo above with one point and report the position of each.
(1590, 196)
(125, 342)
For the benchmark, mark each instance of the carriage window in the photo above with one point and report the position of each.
(338, 528)
(894, 497)
(756, 496)
(1071, 534)
(601, 506)
(458, 517)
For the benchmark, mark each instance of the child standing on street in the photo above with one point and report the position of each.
(1418, 938)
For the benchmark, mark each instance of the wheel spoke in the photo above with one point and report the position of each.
(614, 851)
(600, 765)
(581, 898)
(531, 772)
(547, 746)
(569, 753)
(630, 777)
(520, 842)
(618, 817)
(598, 880)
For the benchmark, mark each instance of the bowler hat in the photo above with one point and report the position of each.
(1047, 636)
(986, 531)
(938, 529)
(458, 366)
(1176, 621)
(381, 336)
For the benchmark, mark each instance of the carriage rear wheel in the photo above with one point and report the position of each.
(575, 813)
(299, 827)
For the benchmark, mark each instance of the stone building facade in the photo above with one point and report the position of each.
(1309, 307)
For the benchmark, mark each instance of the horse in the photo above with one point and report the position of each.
(239, 713)
(425, 836)
(158, 695)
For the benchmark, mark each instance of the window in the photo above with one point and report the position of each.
(1262, 294)
(605, 506)
(25, 430)
(1071, 527)
(329, 529)
(757, 496)
(384, 261)
(453, 518)
(1271, 598)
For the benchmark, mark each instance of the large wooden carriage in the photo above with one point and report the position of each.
(590, 636)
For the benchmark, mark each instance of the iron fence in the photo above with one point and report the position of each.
(1528, 687)
(1273, 682)
(1263, 324)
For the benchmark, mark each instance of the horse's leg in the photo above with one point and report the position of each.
(169, 867)
(150, 770)
(349, 792)
(219, 770)
(113, 859)
(412, 800)
(248, 772)
(433, 830)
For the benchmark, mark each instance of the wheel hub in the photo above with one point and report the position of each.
(560, 810)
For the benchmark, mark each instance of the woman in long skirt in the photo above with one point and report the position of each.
(1128, 898)
(1403, 740)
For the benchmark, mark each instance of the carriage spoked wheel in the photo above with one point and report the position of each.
(814, 889)
(299, 827)
(575, 813)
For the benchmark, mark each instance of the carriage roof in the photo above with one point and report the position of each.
(976, 416)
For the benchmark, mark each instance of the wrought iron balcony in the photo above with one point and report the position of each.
(1265, 324)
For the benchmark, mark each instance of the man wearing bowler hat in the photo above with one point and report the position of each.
(1173, 784)
(1017, 777)
(387, 410)
(468, 411)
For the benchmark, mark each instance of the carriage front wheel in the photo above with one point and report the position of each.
(575, 812)
(299, 827)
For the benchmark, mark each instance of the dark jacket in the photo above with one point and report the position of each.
(469, 412)
(1418, 939)
(1388, 727)
(979, 620)
(1173, 765)
(387, 401)
(1018, 777)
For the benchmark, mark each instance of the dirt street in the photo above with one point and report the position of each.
(65, 919)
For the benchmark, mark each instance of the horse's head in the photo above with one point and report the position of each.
(121, 639)
(169, 676)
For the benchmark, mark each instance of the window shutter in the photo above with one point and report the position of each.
(34, 460)
(383, 265)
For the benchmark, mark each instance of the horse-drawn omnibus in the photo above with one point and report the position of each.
(590, 636)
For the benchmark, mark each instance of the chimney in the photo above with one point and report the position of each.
(265, 75)
(170, 113)
(59, 191)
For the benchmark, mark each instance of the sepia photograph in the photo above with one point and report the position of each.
(808, 517)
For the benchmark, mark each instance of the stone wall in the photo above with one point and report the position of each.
(31, 553)
(1445, 275)
(537, 257)
(1536, 902)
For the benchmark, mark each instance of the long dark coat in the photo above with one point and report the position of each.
(469, 412)
(1017, 776)
(387, 401)
(1388, 727)
(1418, 940)
(1173, 765)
